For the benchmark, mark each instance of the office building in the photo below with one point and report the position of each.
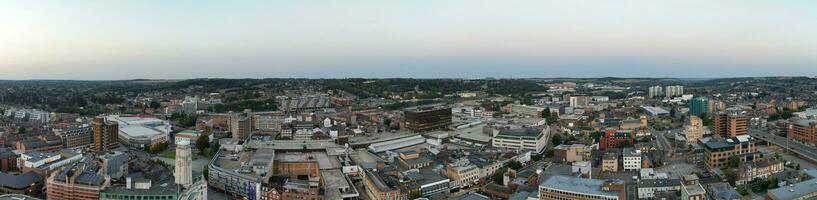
(241, 125)
(106, 134)
(76, 138)
(114, 164)
(693, 130)
(804, 131)
(421, 119)
(613, 138)
(561, 187)
(462, 174)
(698, 106)
(528, 138)
(730, 124)
(526, 110)
(718, 151)
(79, 181)
(631, 159)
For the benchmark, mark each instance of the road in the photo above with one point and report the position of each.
(807, 152)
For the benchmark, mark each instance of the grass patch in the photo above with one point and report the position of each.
(169, 154)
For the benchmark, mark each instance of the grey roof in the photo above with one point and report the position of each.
(19, 181)
(804, 122)
(580, 185)
(37, 156)
(724, 191)
(659, 183)
(796, 190)
(6, 152)
(521, 132)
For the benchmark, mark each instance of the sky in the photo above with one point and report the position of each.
(157, 39)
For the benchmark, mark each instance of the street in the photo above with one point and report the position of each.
(807, 152)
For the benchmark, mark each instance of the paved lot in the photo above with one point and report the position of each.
(678, 169)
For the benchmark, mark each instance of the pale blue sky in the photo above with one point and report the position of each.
(413, 38)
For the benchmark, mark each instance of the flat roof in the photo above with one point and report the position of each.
(579, 185)
(139, 131)
(334, 181)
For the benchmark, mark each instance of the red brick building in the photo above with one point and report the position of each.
(8, 160)
(613, 138)
(804, 131)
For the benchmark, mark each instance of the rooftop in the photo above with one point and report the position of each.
(19, 181)
(580, 185)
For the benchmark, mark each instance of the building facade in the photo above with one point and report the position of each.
(698, 106)
(729, 125)
(529, 138)
(105, 134)
(719, 151)
(423, 119)
(77, 137)
(565, 187)
(616, 139)
(804, 131)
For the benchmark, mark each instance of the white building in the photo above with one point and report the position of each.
(648, 188)
(528, 138)
(674, 91)
(654, 91)
(631, 159)
(141, 131)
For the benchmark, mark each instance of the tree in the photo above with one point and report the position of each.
(557, 139)
(731, 175)
(21, 130)
(625, 143)
(499, 175)
(734, 161)
(202, 143)
(414, 194)
(596, 136)
(515, 165)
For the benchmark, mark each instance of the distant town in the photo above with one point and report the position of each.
(410, 139)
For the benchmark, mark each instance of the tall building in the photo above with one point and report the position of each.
(421, 119)
(241, 125)
(803, 131)
(693, 129)
(654, 91)
(719, 151)
(698, 106)
(674, 91)
(730, 124)
(106, 134)
(183, 170)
